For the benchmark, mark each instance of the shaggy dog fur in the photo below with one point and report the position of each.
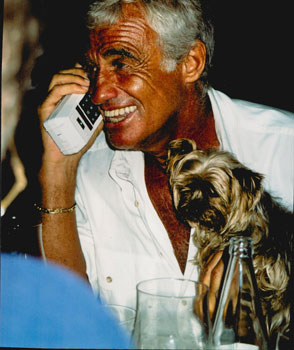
(221, 198)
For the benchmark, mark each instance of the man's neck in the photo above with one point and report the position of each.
(195, 121)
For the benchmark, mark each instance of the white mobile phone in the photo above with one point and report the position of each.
(73, 122)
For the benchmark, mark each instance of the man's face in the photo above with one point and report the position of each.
(135, 94)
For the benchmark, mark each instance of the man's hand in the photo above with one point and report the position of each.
(212, 275)
(66, 82)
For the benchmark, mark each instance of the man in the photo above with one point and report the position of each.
(149, 80)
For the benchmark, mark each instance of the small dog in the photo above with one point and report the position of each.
(221, 198)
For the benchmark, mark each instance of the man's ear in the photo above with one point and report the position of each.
(194, 63)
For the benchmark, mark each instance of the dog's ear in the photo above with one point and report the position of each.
(178, 149)
(181, 147)
(249, 180)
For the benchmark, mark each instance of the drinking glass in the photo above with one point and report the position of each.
(171, 314)
(124, 315)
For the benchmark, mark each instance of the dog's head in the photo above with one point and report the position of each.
(211, 189)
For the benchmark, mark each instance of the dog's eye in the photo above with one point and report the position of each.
(188, 165)
(213, 192)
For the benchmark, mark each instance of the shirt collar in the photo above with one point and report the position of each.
(127, 166)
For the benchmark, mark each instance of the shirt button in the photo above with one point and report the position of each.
(108, 279)
(136, 204)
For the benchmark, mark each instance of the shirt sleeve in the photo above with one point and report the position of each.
(87, 241)
(281, 182)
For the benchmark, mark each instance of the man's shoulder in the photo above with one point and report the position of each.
(273, 116)
(249, 112)
(260, 137)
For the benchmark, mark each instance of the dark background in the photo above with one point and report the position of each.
(253, 61)
(253, 56)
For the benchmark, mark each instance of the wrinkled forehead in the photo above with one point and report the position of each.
(131, 27)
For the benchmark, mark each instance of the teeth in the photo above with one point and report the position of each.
(120, 111)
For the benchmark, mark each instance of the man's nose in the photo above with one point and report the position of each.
(105, 88)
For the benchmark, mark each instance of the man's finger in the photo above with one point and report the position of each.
(205, 275)
(216, 276)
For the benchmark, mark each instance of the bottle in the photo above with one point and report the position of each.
(239, 321)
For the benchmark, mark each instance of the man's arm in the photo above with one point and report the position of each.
(58, 179)
(59, 231)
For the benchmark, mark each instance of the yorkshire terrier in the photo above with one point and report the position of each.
(221, 198)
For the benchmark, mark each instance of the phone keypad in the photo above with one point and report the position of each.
(89, 108)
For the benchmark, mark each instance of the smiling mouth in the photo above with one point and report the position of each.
(117, 115)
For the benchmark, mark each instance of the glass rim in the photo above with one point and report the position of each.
(116, 310)
(139, 284)
(118, 306)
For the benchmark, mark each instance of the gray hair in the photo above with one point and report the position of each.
(178, 23)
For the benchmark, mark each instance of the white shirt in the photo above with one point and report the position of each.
(261, 138)
(122, 237)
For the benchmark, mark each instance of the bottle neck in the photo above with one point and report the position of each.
(241, 246)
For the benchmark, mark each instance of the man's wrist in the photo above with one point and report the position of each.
(57, 189)
(56, 210)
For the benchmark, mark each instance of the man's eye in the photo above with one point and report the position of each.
(118, 64)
